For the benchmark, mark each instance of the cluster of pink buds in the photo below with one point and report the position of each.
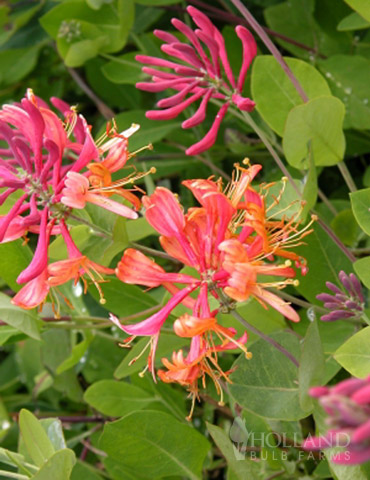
(348, 407)
(198, 75)
(49, 167)
(343, 304)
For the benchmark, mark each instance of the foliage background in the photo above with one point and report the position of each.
(83, 51)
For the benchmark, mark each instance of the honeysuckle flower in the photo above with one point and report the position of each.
(76, 267)
(348, 407)
(201, 361)
(201, 71)
(48, 167)
(226, 253)
(346, 303)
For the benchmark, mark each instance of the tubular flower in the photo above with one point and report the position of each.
(202, 357)
(226, 252)
(349, 303)
(348, 407)
(48, 167)
(201, 71)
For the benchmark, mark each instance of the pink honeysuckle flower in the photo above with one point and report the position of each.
(219, 243)
(348, 407)
(46, 157)
(199, 74)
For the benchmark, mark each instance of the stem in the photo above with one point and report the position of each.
(101, 106)
(298, 301)
(270, 45)
(98, 230)
(7, 474)
(268, 339)
(347, 177)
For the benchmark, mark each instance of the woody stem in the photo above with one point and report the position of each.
(256, 331)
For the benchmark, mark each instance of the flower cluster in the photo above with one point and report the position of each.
(343, 304)
(198, 75)
(348, 407)
(49, 167)
(230, 242)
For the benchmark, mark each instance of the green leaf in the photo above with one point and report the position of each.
(347, 76)
(361, 7)
(123, 299)
(139, 229)
(324, 259)
(23, 320)
(311, 365)
(84, 471)
(16, 63)
(112, 20)
(360, 202)
(270, 390)
(6, 332)
(116, 399)
(35, 438)
(319, 121)
(241, 469)
(171, 448)
(124, 69)
(274, 93)
(353, 21)
(14, 258)
(54, 430)
(167, 344)
(345, 227)
(296, 20)
(354, 354)
(362, 268)
(78, 351)
(58, 467)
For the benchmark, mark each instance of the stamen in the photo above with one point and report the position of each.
(140, 354)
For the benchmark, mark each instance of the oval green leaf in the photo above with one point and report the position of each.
(320, 122)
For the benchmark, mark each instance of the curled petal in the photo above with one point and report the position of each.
(40, 258)
(33, 293)
(152, 325)
(200, 115)
(163, 212)
(211, 136)
(249, 52)
(137, 268)
(173, 112)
